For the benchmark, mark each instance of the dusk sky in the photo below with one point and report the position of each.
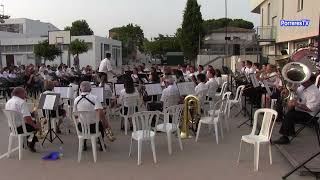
(154, 16)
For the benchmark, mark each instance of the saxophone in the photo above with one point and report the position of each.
(191, 116)
(42, 121)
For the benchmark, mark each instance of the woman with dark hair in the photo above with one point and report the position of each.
(135, 76)
(180, 77)
(154, 78)
(218, 79)
(128, 91)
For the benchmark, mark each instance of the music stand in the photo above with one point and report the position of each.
(49, 102)
(303, 164)
(255, 86)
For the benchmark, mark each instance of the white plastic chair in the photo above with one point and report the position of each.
(175, 112)
(224, 110)
(317, 81)
(268, 121)
(171, 101)
(223, 90)
(131, 103)
(214, 119)
(237, 99)
(202, 95)
(13, 117)
(142, 131)
(85, 119)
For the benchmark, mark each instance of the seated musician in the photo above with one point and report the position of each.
(243, 67)
(170, 92)
(180, 76)
(89, 102)
(202, 86)
(212, 84)
(128, 91)
(17, 103)
(218, 78)
(49, 86)
(134, 75)
(249, 68)
(301, 110)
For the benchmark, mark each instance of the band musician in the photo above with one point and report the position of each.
(301, 109)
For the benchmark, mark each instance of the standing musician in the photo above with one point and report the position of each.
(106, 67)
(301, 110)
(89, 102)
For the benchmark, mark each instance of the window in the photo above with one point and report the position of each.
(300, 5)
(282, 14)
(268, 14)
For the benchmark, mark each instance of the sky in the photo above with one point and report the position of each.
(154, 16)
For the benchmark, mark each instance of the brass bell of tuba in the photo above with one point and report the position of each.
(295, 73)
(191, 115)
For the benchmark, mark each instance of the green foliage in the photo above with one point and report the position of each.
(223, 22)
(79, 28)
(46, 51)
(132, 38)
(78, 47)
(191, 29)
(161, 45)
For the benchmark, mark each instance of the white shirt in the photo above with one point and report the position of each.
(200, 88)
(311, 98)
(243, 70)
(249, 70)
(124, 95)
(85, 105)
(19, 105)
(105, 66)
(170, 92)
(219, 81)
(12, 75)
(59, 73)
(212, 87)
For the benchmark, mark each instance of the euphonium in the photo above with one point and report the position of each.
(295, 73)
(191, 113)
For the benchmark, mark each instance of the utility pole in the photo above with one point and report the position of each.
(226, 31)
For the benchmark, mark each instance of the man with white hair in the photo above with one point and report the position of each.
(18, 104)
(89, 102)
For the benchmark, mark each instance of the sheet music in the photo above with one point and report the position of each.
(186, 88)
(254, 80)
(118, 88)
(49, 102)
(99, 92)
(65, 92)
(153, 89)
(267, 88)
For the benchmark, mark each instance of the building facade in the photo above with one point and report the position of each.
(241, 43)
(17, 47)
(274, 37)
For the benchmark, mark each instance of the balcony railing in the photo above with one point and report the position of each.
(266, 33)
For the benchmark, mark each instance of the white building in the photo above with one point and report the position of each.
(16, 45)
(273, 37)
(241, 44)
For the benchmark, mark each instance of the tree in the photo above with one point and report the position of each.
(191, 29)
(132, 38)
(223, 22)
(46, 51)
(161, 45)
(78, 47)
(79, 28)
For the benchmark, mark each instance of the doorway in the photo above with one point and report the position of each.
(10, 60)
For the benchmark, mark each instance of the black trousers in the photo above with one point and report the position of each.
(29, 128)
(292, 118)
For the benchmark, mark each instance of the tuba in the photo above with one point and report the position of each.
(191, 116)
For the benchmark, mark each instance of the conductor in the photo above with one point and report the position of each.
(105, 67)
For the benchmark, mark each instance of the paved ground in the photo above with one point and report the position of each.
(202, 161)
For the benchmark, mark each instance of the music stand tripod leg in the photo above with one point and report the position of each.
(302, 165)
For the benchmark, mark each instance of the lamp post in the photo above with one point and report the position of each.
(226, 31)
